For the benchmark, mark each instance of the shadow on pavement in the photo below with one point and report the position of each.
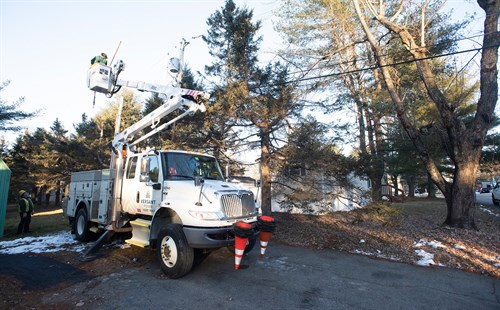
(37, 272)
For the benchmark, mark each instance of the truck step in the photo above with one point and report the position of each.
(140, 222)
(140, 233)
(139, 243)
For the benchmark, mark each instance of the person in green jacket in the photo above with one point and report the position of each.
(102, 59)
(25, 209)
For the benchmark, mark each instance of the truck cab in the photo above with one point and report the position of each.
(185, 188)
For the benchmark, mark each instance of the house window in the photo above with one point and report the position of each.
(296, 171)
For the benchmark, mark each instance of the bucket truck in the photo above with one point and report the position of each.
(175, 202)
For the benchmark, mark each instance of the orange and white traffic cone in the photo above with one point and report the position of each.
(264, 239)
(239, 249)
(267, 226)
(241, 232)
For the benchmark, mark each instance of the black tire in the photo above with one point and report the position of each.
(495, 202)
(174, 253)
(81, 226)
(248, 248)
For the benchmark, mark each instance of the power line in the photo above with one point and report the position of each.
(387, 65)
(366, 58)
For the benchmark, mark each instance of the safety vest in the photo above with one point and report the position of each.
(98, 59)
(24, 205)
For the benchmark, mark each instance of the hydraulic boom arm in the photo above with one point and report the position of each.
(177, 98)
(104, 79)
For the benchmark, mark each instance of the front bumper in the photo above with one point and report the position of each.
(210, 238)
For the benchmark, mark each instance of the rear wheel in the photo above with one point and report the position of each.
(81, 226)
(174, 253)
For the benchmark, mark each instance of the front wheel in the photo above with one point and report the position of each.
(174, 253)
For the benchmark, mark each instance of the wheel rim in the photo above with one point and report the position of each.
(80, 225)
(168, 251)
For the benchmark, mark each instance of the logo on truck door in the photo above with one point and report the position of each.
(148, 200)
(147, 204)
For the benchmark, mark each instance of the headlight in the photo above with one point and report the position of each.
(203, 215)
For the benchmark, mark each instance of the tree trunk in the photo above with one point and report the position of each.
(265, 173)
(394, 180)
(378, 154)
(376, 180)
(411, 188)
(361, 124)
(58, 195)
(460, 200)
(431, 190)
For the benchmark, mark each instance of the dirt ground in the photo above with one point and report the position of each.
(395, 232)
(382, 232)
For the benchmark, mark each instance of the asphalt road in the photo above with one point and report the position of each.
(287, 278)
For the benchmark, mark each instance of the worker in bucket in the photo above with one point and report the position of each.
(102, 59)
(25, 209)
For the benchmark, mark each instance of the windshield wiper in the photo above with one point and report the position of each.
(211, 178)
(182, 176)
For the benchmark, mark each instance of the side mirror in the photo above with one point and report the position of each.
(257, 183)
(198, 181)
(144, 177)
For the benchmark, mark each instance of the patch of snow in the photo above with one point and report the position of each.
(420, 243)
(459, 247)
(497, 265)
(378, 254)
(433, 244)
(427, 259)
(43, 244)
(363, 253)
(488, 211)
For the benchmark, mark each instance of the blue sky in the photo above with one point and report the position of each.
(46, 46)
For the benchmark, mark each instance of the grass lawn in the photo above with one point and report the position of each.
(46, 219)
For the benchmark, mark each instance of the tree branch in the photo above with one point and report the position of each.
(400, 110)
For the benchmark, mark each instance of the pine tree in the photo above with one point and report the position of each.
(11, 114)
(232, 44)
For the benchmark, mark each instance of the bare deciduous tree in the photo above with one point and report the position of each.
(463, 141)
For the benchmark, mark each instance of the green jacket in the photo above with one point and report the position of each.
(25, 205)
(99, 59)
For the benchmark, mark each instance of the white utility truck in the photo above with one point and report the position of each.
(176, 202)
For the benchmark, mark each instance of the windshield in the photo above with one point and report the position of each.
(181, 166)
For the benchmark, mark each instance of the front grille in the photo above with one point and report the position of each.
(238, 205)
